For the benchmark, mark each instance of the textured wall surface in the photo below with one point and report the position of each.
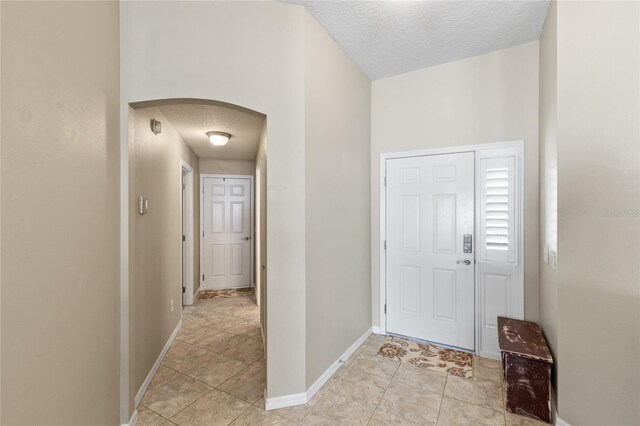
(227, 167)
(598, 204)
(60, 222)
(549, 180)
(338, 128)
(155, 246)
(261, 228)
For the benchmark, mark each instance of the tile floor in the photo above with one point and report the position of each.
(214, 374)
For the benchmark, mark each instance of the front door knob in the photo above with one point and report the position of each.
(466, 262)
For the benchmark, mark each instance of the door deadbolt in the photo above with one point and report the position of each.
(467, 243)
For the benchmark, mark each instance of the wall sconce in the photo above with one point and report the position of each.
(156, 126)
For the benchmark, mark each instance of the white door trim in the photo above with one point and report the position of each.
(253, 231)
(518, 146)
(188, 232)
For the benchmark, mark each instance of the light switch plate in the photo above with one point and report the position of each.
(546, 255)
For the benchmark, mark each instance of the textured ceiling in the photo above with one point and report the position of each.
(386, 38)
(193, 121)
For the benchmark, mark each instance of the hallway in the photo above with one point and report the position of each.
(214, 374)
(214, 370)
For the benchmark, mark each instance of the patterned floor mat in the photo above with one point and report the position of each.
(426, 355)
(227, 292)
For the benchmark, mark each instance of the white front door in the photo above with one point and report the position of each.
(226, 224)
(430, 275)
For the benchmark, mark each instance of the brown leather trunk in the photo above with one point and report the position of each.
(526, 369)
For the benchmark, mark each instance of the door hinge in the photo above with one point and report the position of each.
(385, 181)
(385, 308)
(385, 244)
(183, 186)
(202, 277)
(184, 238)
(184, 290)
(202, 234)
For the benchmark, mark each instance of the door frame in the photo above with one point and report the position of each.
(188, 258)
(513, 146)
(252, 282)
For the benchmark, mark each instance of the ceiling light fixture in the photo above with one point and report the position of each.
(219, 138)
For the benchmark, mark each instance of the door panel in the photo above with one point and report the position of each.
(226, 233)
(430, 207)
(444, 294)
(410, 290)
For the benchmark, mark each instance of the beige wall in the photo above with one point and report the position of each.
(155, 237)
(227, 167)
(549, 180)
(60, 185)
(598, 77)
(487, 98)
(262, 46)
(337, 167)
(261, 227)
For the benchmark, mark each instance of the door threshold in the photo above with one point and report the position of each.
(441, 345)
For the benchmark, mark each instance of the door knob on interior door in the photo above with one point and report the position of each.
(246, 238)
(466, 262)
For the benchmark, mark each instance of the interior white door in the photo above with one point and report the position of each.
(226, 226)
(430, 277)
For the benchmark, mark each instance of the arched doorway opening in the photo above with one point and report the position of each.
(196, 246)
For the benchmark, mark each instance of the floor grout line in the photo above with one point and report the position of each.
(442, 399)
(210, 389)
(363, 352)
(378, 404)
(384, 393)
(190, 404)
(474, 404)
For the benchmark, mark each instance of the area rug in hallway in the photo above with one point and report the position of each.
(426, 355)
(227, 292)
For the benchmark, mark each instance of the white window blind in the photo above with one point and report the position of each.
(498, 240)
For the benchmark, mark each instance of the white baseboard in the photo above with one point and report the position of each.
(489, 355)
(303, 398)
(197, 293)
(133, 420)
(285, 401)
(376, 330)
(155, 367)
(560, 422)
(315, 387)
